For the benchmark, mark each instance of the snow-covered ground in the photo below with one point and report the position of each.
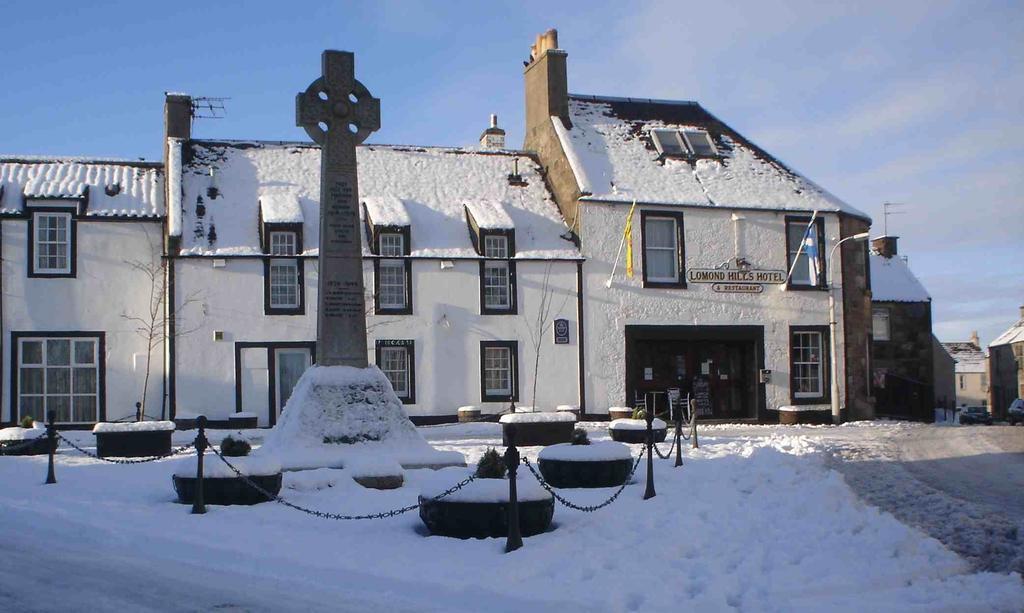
(755, 520)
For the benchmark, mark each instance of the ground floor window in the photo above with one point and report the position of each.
(808, 364)
(499, 371)
(61, 374)
(396, 359)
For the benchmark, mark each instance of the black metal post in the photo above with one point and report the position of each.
(679, 438)
(198, 508)
(693, 424)
(51, 439)
(649, 416)
(138, 411)
(515, 537)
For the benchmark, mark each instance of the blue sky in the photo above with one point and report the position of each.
(912, 102)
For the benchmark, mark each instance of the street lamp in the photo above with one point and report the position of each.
(832, 323)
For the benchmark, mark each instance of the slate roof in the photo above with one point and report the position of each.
(893, 281)
(969, 357)
(1015, 334)
(112, 188)
(613, 159)
(434, 184)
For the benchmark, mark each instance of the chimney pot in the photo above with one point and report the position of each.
(494, 120)
(493, 137)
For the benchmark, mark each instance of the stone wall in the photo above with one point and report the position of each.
(943, 375)
(856, 319)
(906, 359)
(1005, 366)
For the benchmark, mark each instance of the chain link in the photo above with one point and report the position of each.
(337, 516)
(173, 453)
(667, 456)
(585, 509)
(24, 444)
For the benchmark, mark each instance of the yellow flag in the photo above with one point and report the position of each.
(628, 233)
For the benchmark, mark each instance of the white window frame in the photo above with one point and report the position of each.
(390, 356)
(72, 365)
(797, 251)
(392, 244)
(506, 369)
(707, 140)
(392, 282)
(289, 269)
(497, 274)
(283, 243)
(662, 137)
(674, 249)
(880, 318)
(820, 363)
(37, 226)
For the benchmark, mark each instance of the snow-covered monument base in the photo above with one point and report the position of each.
(338, 415)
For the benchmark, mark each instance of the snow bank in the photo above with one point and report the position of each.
(214, 467)
(133, 426)
(17, 433)
(481, 490)
(535, 418)
(636, 424)
(594, 452)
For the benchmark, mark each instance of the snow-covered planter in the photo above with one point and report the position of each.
(378, 473)
(469, 413)
(133, 439)
(480, 509)
(544, 428)
(615, 413)
(795, 414)
(221, 485)
(635, 430)
(13, 439)
(601, 464)
(242, 420)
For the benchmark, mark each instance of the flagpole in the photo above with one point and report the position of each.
(799, 251)
(618, 253)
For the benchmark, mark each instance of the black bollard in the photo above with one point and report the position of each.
(515, 537)
(693, 424)
(649, 493)
(198, 508)
(679, 438)
(51, 438)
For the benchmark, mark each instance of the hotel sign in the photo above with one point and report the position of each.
(738, 288)
(727, 276)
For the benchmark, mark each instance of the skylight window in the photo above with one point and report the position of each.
(700, 143)
(668, 142)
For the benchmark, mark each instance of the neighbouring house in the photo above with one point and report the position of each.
(944, 376)
(902, 361)
(1006, 366)
(729, 295)
(77, 237)
(467, 263)
(971, 379)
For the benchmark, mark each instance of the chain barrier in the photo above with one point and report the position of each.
(24, 444)
(174, 452)
(666, 456)
(337, 516)
(586, 509)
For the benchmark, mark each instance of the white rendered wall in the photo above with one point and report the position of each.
(709, 241)
(105, 287)
(445, 325)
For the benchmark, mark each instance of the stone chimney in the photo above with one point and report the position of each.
(885, 246)
(493, 138)
(975, 339)
(177, 116)
(1022, 311)
(547, 92)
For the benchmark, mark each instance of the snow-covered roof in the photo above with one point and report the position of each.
(280, 206)
(112, 188)
(1014, 335)
(969, 357)
(611, 154)
(893, 281)
(490, 215)
(427, 188)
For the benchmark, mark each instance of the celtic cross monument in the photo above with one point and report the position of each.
(338, 113)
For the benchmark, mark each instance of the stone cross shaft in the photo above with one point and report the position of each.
(338, 113)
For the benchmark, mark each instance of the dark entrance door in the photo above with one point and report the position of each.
(659, 358)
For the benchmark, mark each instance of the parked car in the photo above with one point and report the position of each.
(1015, 414)
(975, 415)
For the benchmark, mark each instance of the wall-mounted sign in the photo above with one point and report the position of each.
(648, 374)
(738, 288)
(725, 275)
(561, 328)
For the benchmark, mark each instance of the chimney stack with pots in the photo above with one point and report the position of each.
(493, 138)
(885, 246)
(547, 91)
(975, 340)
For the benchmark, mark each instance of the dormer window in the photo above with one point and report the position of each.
(493, 236)
(283, 272)
(685, 143)
(283, 243)
(51, 238)
(393, 275)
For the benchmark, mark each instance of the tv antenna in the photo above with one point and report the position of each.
(887, 211)
(206, 107)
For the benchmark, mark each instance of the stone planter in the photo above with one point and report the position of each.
(226, 490)
(484, 519)
(133, 440)
(635, 430)
(615, 413)
(243, 421)
(469, 414)
(604, 464)
(537, 429)
(38, 447)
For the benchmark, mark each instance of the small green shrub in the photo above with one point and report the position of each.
(639, 413)
(579, 437)
(491, 465)
(235, 447)
(27, 421)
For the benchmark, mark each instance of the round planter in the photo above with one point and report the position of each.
(619, 413)
(133, 443)
(635, 431)
(38, 447)
(589, 473)
(227, 490)
(531, 434)
(484, 519)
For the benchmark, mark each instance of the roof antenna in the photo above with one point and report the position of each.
(886, 212)
(205, 107)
